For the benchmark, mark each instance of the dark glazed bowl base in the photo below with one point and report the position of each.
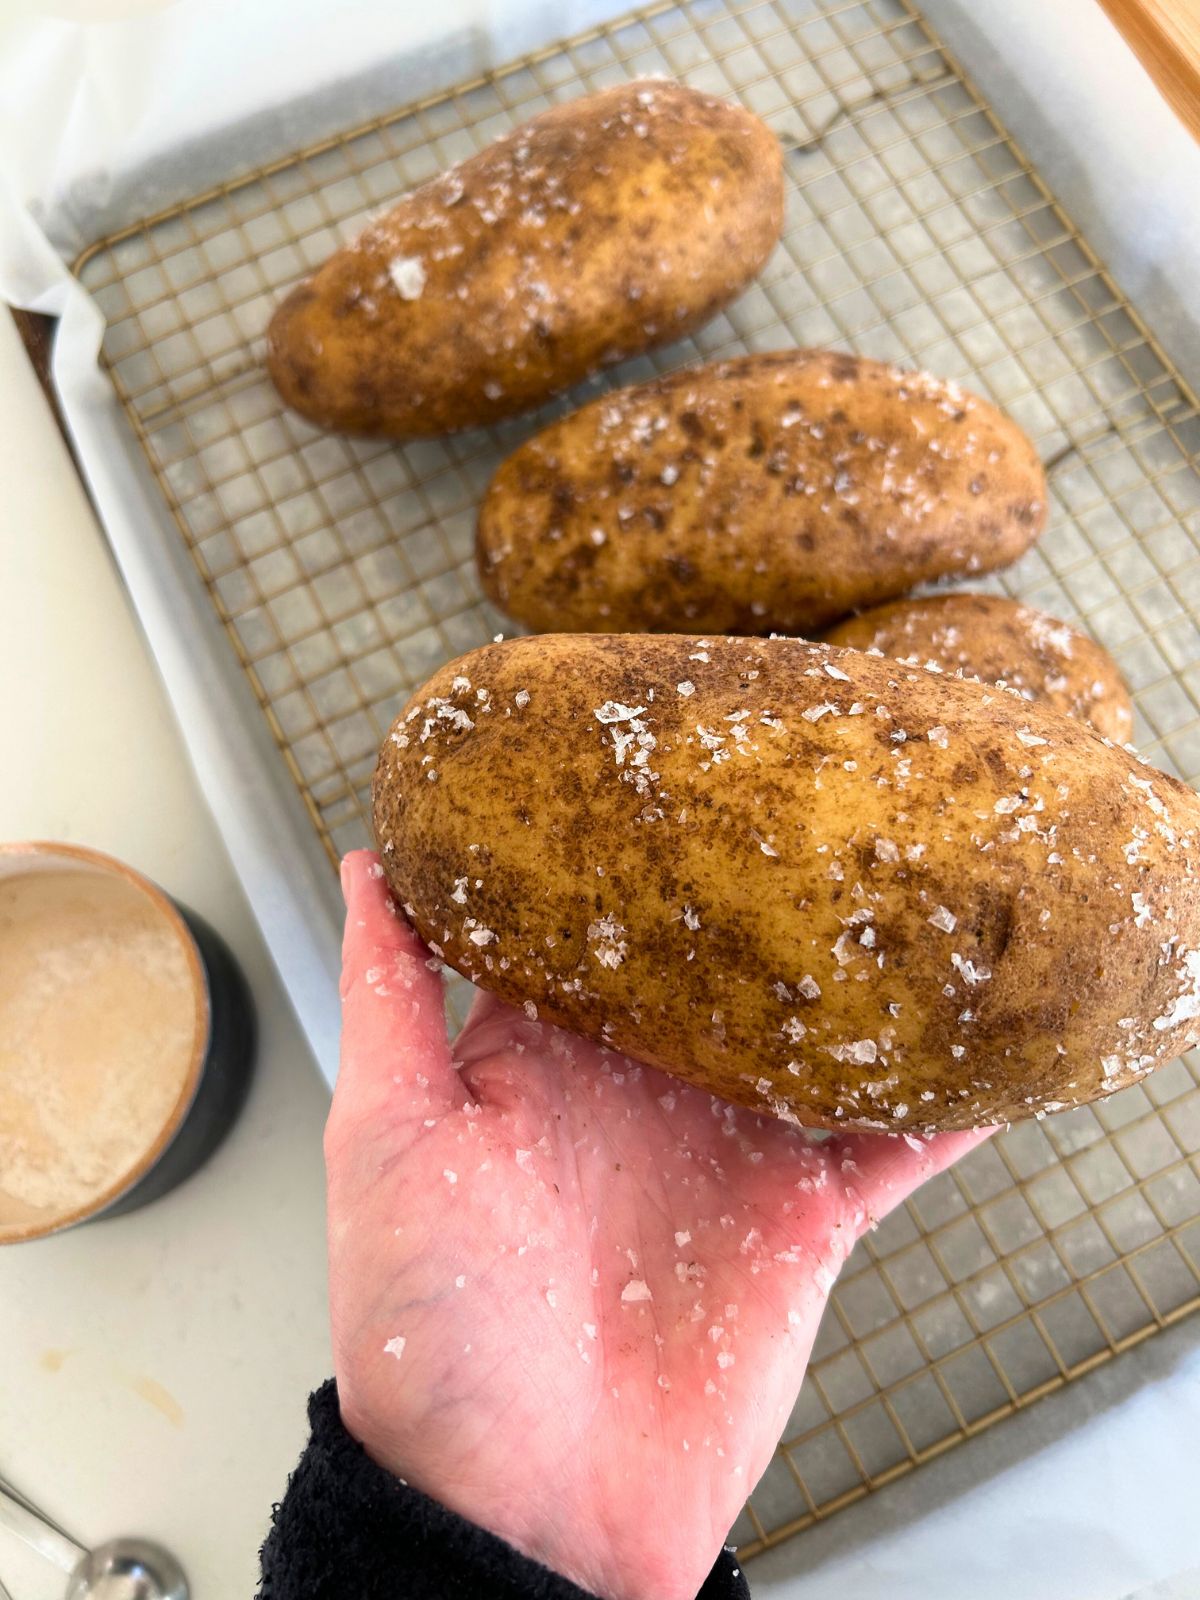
(224, 1077)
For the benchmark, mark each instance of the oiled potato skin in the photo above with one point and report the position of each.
(768, 494)
(997, 640)
(817, 882)
(605, 226)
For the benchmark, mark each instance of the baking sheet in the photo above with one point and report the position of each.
(1089, 1495)
(228, 752)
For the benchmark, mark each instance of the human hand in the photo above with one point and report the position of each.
(572, 1298)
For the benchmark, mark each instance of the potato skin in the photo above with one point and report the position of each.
(605, 226)
(768, 494)
(894, 899)
(997, 640)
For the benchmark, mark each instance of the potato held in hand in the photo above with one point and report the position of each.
(604, 227)
(770, 494)
(820, 883)
(997, 640)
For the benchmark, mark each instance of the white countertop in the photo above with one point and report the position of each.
(154, 1368)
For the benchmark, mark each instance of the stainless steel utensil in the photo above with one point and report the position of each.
(121, 1569)
(13, 1493)
(128, 1569)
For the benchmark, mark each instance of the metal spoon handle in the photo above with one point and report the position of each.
(9, 1488)
(38, 1534)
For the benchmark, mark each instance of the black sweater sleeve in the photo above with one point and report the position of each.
(348, 1530)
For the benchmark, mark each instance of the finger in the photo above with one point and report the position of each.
(880, 1170)
(486, 1010)
(395, 1052)
(492, 1026)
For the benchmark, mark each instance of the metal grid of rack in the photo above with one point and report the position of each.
(343, 573)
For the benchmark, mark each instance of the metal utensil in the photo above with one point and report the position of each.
(5, 1591)
(128, 1569)
(13, 1493)
(121, 1569)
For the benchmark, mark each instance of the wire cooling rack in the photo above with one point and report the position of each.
(342, 571)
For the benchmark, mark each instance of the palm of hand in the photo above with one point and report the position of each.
(563, 1283)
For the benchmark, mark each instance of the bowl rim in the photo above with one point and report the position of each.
(41, 850)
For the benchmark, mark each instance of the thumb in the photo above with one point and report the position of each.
(395, 1060)
(880, 1170)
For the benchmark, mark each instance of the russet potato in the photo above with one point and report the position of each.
(605, 226)
(826, 885)
(997, 640)
(768, 494)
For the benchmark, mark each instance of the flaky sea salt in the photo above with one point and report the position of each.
(607, 935)
(971, 972)
(614, 711)
(861, 1051)
(409, 276)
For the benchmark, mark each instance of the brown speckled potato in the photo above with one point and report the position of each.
(823, 884)
(769, 494)
(995, 640)
(606, 226)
